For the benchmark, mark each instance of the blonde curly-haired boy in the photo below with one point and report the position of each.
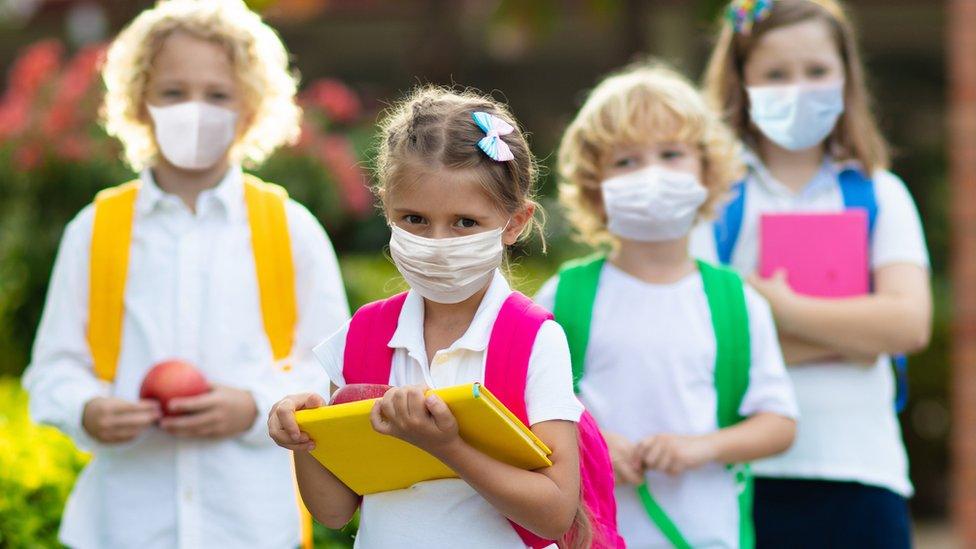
(193, 260)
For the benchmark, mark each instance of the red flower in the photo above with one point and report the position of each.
(28, 156)
(337, 153)
(74, 147)
(14, 115)
(75, 83)
(35, 66)
(333, 97)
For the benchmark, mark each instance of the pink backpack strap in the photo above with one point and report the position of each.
(368, 357)
(507, 366)
(509, 350)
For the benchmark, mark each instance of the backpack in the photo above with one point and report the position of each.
(858, 192)
(368, 359)
(575, 297)
(109, 263)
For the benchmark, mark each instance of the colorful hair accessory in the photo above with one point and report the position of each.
(492, 143)
(744, 14)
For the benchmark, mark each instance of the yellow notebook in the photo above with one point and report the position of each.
(368, 462)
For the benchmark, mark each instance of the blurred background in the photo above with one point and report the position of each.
(355, 58)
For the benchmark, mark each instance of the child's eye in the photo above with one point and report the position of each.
(776, 75)
(625, 162)
(219, 96)
(672, 154)
(172, 93)
(413, 219)
(817, 72)
(466, 223)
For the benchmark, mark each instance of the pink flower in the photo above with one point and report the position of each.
(334, 98)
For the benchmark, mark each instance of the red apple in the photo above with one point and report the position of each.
(358, 391)
(172, 379)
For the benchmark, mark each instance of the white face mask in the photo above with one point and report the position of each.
(447, 270)
(193, 135)
(652, 204)
(799, 116)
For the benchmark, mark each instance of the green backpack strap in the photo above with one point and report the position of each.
(573, 309)
(730, 320)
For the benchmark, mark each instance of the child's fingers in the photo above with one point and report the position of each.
(313, 400)
(387, 407)
(284, 415)
(135, 419)
(376, 419)
(196, 425)
(194, 404)
(442, 415)
(627, 474)
(415, 402)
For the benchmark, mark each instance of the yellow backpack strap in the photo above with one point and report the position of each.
(273, 263)
(276, 283)
(108, 267)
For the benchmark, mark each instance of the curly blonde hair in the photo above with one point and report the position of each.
(259, 61)
(643, 104)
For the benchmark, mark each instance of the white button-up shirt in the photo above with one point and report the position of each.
(191, 293)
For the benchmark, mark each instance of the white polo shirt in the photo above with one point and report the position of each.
(192, 293)
(650, 369)
(449, 513)
(849, 431)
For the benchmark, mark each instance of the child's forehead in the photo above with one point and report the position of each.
(443, 189)
(181, 52)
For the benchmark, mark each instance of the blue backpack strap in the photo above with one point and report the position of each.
(729, 223)
(858, 192)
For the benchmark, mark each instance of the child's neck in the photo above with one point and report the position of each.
(654, 262)
(791, 168)
(445, 323)
(188, 184)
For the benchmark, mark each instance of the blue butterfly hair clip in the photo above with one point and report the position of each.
(492, 143)
(744, 14)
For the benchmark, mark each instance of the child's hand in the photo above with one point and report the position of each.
(220, 413)
(113, 420)
(627, 466)
(776, 289)
(424, 421)
(675, 454)
(282, 425)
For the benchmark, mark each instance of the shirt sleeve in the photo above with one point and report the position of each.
(329, 354)
(322, 309)
(898, 235)
(546, 296)
(770, 389)
(60, 378)
(549, 384)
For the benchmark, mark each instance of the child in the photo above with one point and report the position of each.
(165, 268)
(456, 179)
(640, 163)
(788, 78)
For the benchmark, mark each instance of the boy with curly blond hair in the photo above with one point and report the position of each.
(194, 260)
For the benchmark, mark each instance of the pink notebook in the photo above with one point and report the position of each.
(824, 254)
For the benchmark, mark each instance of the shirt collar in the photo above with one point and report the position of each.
(409, 334)
(228, 193)
(825, 178)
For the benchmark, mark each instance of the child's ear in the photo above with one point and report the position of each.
(519, 220)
